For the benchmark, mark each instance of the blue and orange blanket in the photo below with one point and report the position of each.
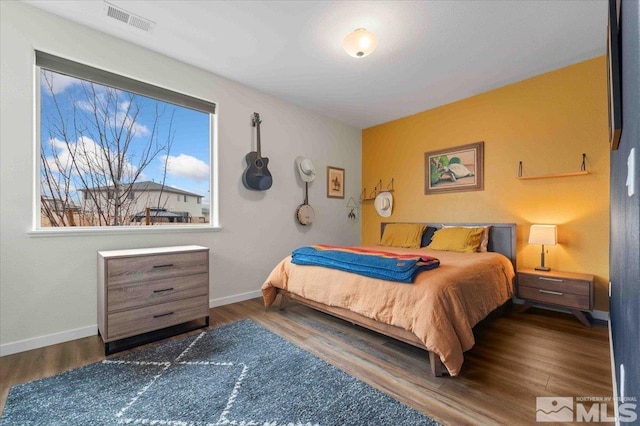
(364, 261)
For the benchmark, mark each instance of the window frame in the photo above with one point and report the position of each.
(76, 69)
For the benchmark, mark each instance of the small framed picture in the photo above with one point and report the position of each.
(335, 182)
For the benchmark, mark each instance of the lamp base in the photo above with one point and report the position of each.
(542, 268)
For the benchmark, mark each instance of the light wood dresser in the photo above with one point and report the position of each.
(146, 290)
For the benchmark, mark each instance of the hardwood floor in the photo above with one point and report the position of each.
(517, 358)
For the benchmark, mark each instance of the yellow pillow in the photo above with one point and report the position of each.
(403, 235)
(484, 243)
(465, 240)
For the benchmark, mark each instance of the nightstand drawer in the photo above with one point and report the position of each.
(555, 296)
(551, 283)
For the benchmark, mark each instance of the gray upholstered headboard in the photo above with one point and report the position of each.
(502, 236)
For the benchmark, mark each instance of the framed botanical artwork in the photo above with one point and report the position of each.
(335, 182)
(456, 169)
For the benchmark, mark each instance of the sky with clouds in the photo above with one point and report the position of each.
(187, 161)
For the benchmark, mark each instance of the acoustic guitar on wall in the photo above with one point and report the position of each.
(256, 176)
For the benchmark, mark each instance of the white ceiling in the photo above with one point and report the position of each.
(429, 52)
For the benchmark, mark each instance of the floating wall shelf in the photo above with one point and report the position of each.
(583, 171)
(555, 175)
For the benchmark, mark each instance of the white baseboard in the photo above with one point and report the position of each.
(47, 340)
(213, 303)
(92, 330)
(599, 315)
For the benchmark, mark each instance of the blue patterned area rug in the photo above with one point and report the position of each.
(238, 374)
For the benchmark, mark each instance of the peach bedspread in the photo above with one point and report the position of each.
(440, 307)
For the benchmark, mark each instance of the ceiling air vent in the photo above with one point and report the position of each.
(128, 18)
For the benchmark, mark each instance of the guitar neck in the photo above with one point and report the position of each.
(258, 143)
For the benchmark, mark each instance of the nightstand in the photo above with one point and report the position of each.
(562, 289)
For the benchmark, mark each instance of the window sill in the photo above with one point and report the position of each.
(119, 230)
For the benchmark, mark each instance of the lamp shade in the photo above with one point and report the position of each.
(360, 43)
(543, 234)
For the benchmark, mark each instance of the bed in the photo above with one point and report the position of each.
(436, 313)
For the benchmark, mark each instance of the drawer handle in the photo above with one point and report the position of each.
(164, 290)
(168, 265)
(163, 315)
(555, 293)
(551, 279)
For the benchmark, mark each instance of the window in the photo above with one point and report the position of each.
(113, 148)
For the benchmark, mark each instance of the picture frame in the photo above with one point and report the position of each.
(614, 76)
(335, 182)
(455, 169)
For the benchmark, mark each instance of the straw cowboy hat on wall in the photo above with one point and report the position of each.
(305, 168)
(384, 204)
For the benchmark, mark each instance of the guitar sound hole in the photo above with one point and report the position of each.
(259, 163)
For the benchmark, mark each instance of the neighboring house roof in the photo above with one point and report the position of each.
(158, 213)
(57, 203)
(146, 186)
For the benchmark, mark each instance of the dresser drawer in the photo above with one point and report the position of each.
(137, 321)
(127, 270)
(556, 296)
(137, 295)
(564, 285)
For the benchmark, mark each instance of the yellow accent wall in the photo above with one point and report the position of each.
(546, 122)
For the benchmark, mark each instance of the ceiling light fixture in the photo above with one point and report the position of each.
(360, 43)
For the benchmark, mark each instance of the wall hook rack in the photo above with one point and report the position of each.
(583, 171)
(364, 196)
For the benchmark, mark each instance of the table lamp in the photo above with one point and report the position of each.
(545, 235)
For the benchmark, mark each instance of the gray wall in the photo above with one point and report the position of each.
(48, 284)
(625, 215)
